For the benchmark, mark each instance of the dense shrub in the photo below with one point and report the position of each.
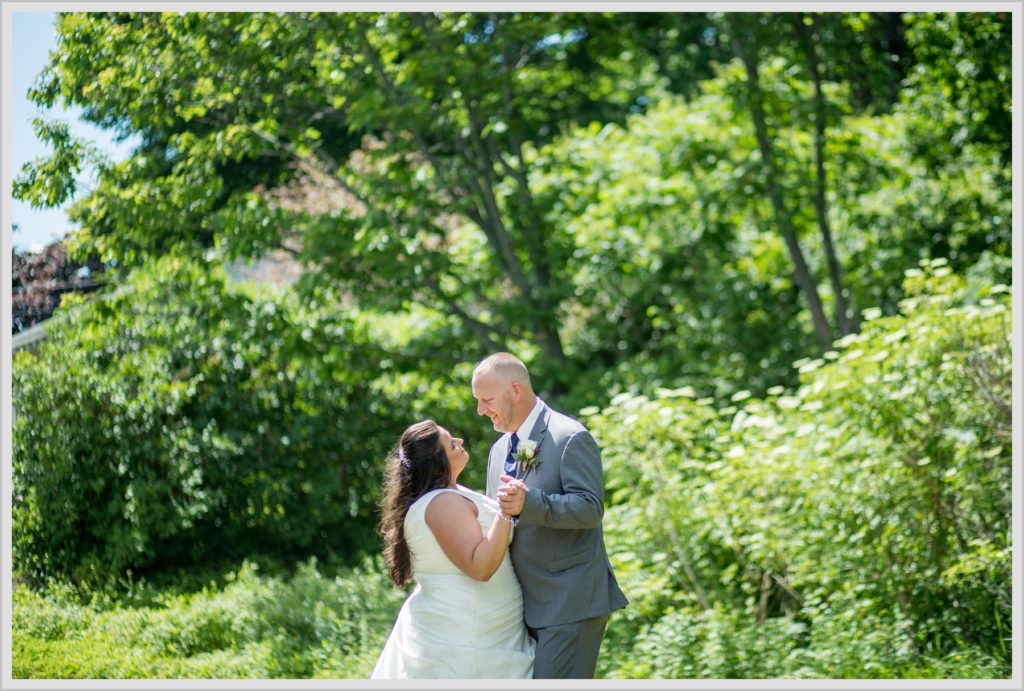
(716, 643)
(181, 418)
(860, 522)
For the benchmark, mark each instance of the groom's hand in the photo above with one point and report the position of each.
(511, 495)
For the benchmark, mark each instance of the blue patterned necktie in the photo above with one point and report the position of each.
(510, 463)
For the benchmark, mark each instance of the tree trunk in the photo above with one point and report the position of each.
(807, 40)
(782, 217)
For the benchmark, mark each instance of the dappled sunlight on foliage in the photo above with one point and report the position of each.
(876, 494)
(764, 256)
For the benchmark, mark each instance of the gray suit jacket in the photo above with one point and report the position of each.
(558, 547)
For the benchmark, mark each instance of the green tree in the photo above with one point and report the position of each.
(861, 51)
(422, 126)
(961, 81)
(671, 204)
(424, 132)
(745, 35)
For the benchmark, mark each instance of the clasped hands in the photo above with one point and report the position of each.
(511, 495)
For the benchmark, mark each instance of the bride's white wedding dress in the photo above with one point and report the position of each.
(451, 626)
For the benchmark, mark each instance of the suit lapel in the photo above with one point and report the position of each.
(540, 427)
(496, 463)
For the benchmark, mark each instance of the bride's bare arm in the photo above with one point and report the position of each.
(452, 519)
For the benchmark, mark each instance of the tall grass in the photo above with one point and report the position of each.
(249, 625)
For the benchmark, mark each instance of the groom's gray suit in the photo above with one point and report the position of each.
(558, 547)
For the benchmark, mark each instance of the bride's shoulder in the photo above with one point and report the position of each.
(421, 501)
(445, 494)
(448, 505)
(476, 497)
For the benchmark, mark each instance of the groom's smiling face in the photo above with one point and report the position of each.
(494, 398)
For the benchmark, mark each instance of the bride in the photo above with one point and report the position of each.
(464, 619)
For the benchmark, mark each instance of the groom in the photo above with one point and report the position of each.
(558, 547)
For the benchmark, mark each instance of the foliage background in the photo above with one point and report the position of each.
(764, 257)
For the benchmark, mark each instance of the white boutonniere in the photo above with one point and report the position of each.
(526, 457)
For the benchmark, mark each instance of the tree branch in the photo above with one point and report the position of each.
(482, 164)
(481, 330)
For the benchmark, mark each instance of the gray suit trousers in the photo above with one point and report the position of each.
(568, 651)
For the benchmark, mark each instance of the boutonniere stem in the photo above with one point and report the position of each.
(526, 457)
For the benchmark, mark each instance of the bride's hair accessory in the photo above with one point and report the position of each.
(403, 460)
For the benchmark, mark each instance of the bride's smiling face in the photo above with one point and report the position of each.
(458, 457)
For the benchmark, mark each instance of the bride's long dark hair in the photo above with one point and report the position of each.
(415, 466)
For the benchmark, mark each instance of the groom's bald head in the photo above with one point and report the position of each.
(505, 367)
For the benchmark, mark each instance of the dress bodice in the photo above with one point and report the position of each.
(427, 555)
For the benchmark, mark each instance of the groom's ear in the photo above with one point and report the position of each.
(517, 391)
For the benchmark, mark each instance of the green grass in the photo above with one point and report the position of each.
(248, 625)
(307, 623)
